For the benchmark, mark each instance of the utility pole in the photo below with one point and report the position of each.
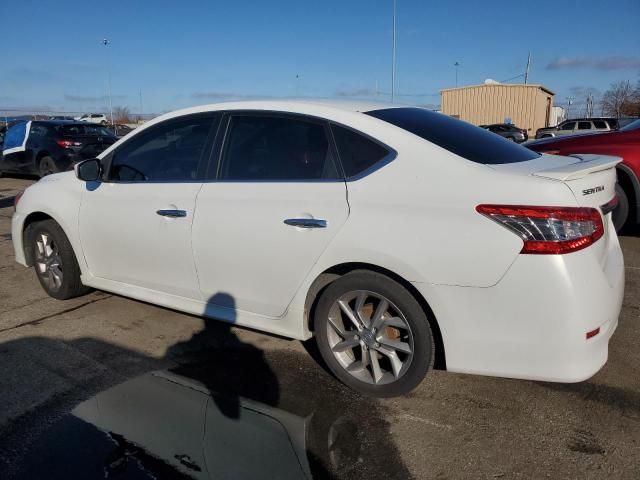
(526, 73)
(106, 43)
(590, 105)
(393, 55)
(457, 64)
(140, 116)
(569, 102)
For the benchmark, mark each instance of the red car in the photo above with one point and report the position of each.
(623, 143)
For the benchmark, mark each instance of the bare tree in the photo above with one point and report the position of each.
(621, 100)
(122, 114)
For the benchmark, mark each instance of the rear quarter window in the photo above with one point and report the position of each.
(461, 138)
(357, 153)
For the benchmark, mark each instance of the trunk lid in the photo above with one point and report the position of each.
(591, 178)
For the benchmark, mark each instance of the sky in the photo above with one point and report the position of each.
(173, 54)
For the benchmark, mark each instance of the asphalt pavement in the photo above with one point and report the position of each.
(55, 355)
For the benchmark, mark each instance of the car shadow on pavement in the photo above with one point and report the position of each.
(130, 413)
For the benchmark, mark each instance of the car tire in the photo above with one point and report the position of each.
(54, 261)
(103, 123)
(512, 139)
(620, 214)
(47, 167)
(390, 350)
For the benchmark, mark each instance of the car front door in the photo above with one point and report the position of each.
(135, 226)
(277, 201)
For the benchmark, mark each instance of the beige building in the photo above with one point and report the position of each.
(526, 106)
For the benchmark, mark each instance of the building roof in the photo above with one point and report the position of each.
(526, 85)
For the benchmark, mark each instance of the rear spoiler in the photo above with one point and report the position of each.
(588, 163)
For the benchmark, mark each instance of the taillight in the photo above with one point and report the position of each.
(548, 230)
(16, 199)
(68, 143)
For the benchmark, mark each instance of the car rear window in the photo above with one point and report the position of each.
(456, 136)
(80, 129)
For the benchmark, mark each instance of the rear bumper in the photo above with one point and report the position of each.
(533, 323)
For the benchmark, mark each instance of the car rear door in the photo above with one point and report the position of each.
(566, 128)
(135, 227)
(276, 202)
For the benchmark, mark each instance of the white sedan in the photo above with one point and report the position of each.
(399, 237)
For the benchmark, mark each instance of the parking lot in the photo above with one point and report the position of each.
(56, 354)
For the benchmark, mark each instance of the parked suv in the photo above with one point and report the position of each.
(99, 118)
(576, 126)
(50, 146)
(508, 131)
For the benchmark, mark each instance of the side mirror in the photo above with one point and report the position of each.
(89, 170)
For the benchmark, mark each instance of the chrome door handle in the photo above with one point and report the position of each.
(306, 222)
(172, 213)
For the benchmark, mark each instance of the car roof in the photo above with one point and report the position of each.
(304, 106)
(62, 122)
(294, 104)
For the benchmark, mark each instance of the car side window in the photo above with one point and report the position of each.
(37, 130)
(568, 126)
(584, 125)
(357, 152)
(169, 152)
(273, 148)
(600, 124)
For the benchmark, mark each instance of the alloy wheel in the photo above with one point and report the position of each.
(370, 337)
(48, 261)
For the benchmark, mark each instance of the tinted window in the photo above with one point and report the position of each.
(584, 125)
(84, 129)
(171, 151)
(568, 126)
(276, 148)
(357, 152)
(38, 130)
(461, 138)
(600, 123)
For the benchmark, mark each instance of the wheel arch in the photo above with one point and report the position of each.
(324, 279)
(629, 182)
(27, 229)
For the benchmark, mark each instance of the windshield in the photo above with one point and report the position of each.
(631, 126)
(462, 138)
(81, 129)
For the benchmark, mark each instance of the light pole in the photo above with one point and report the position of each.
(457, 64)
(297, 85)
(393, 55)
(106, 43)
